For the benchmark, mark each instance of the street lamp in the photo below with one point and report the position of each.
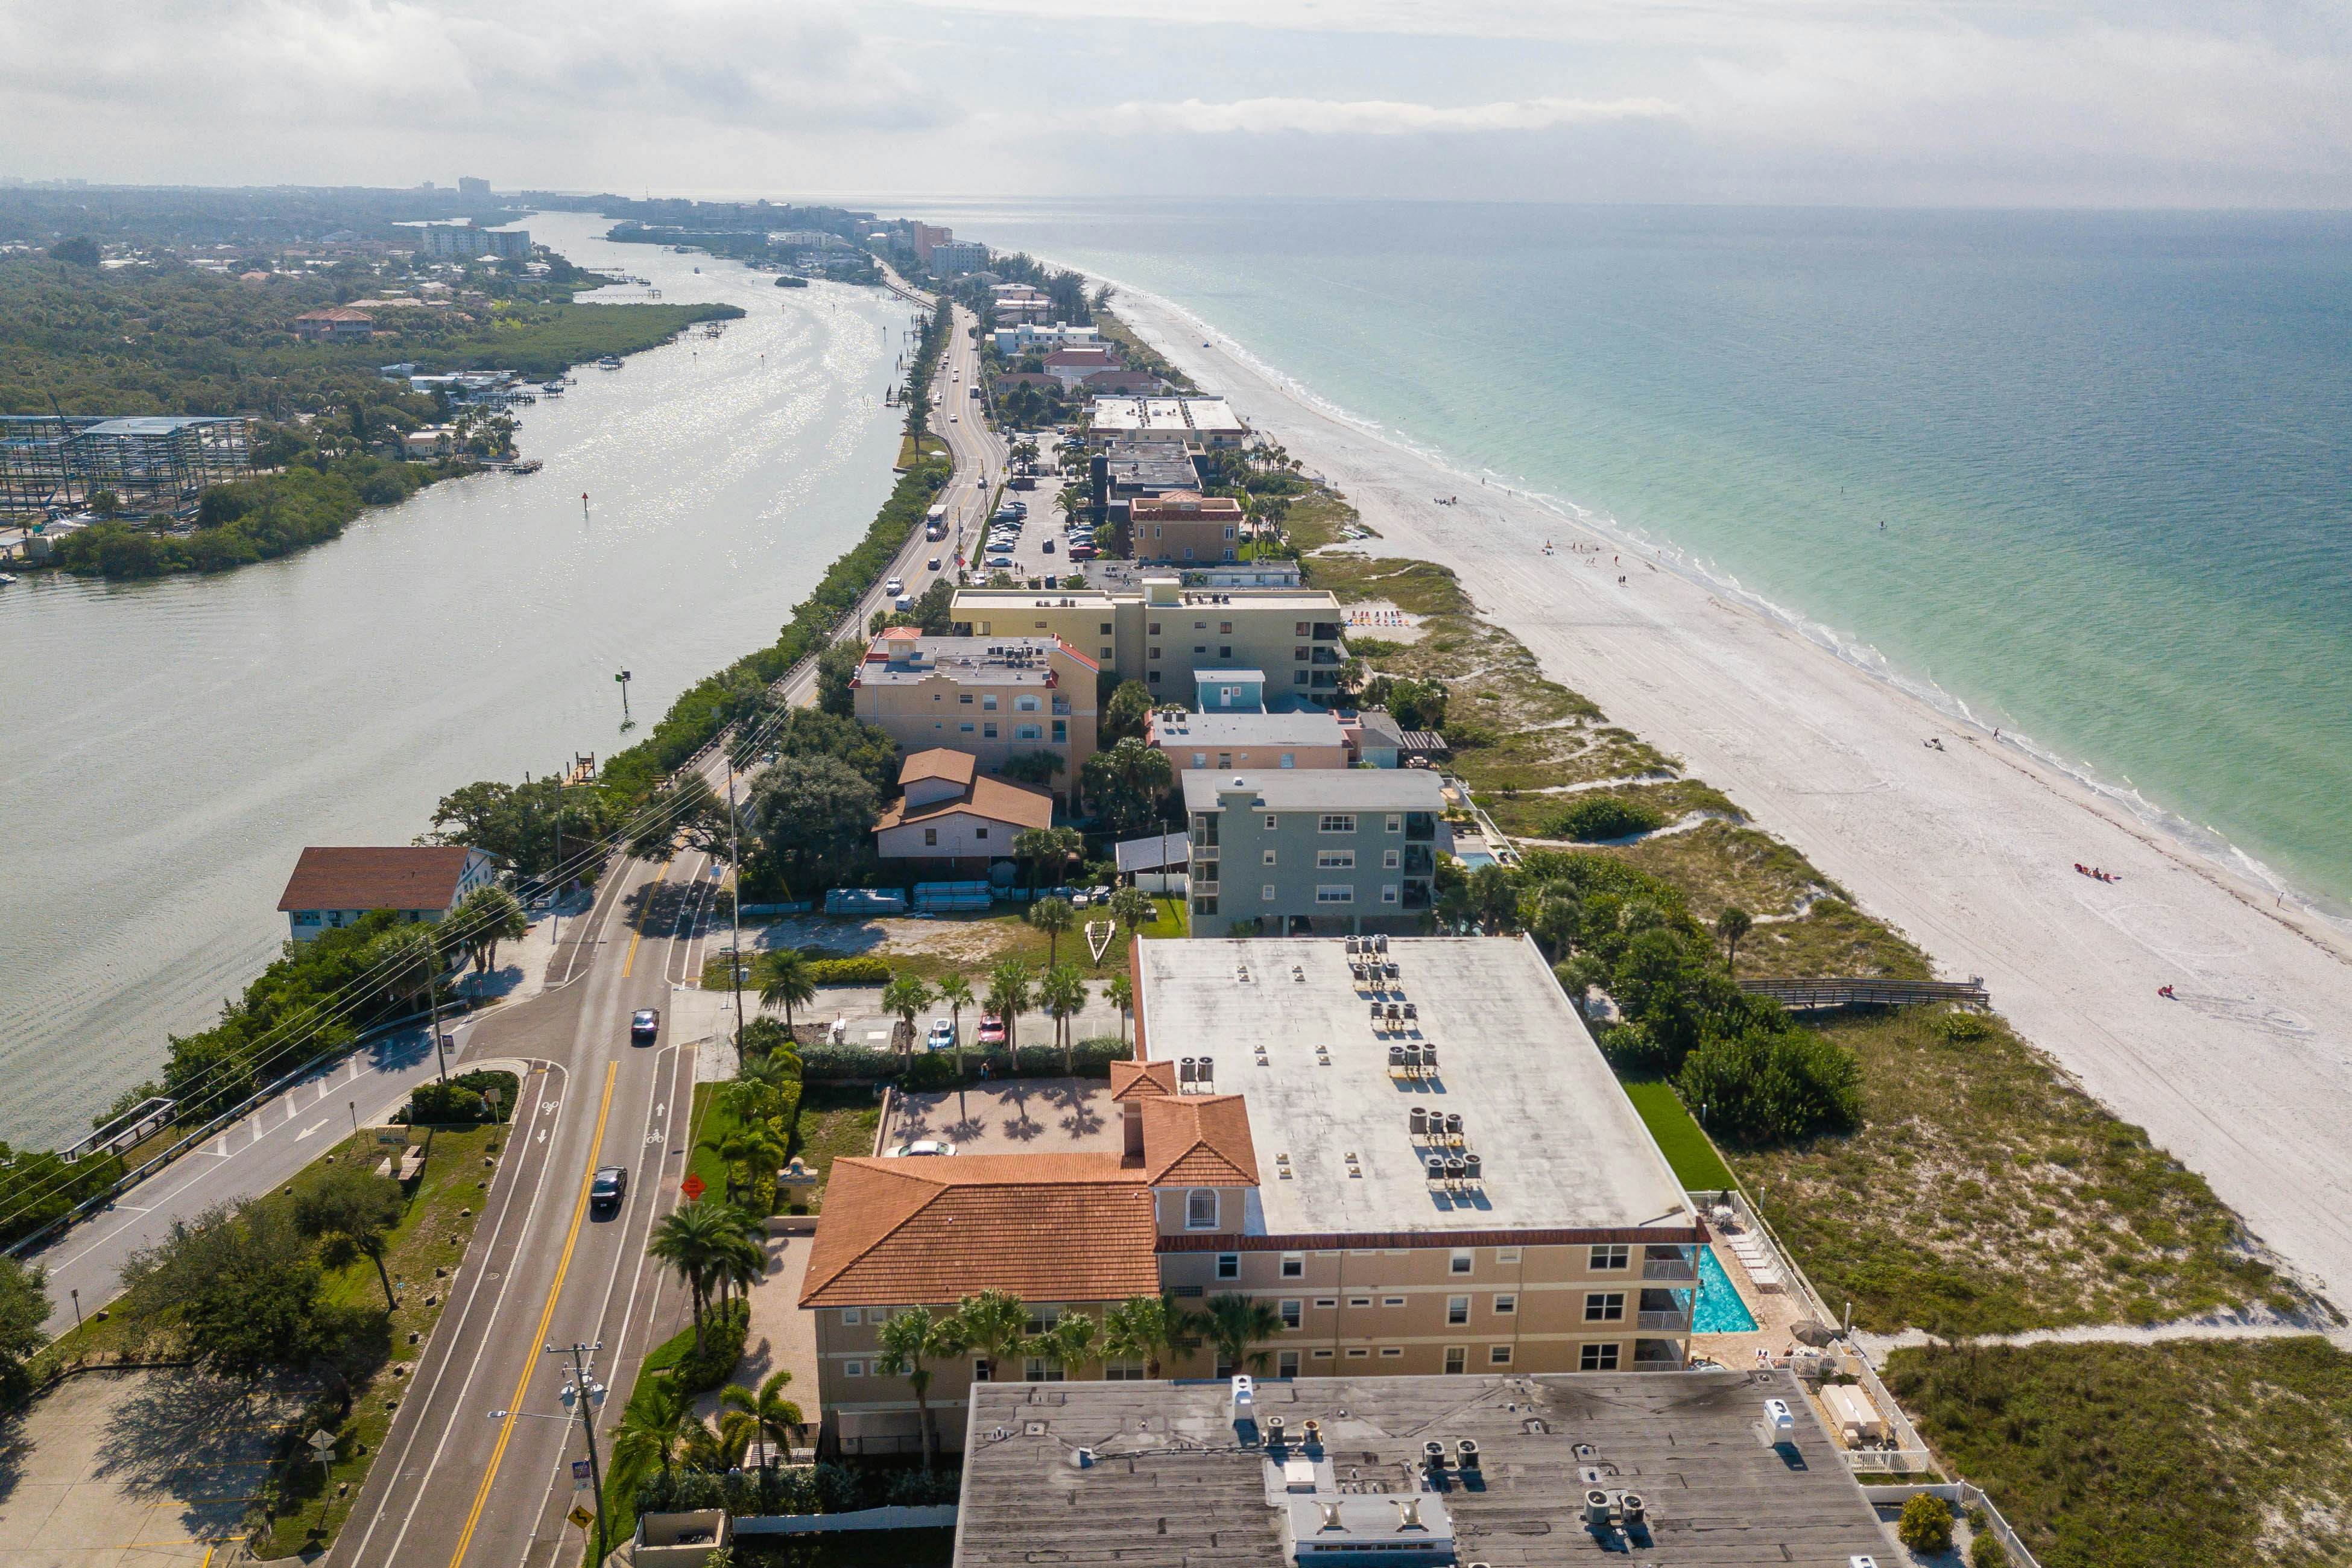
(626, 722)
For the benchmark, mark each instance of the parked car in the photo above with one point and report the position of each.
(918, 1147)
(941, 1037)
(1048, 547)
(644, 1025)
(991, 1029)
(608, 1187)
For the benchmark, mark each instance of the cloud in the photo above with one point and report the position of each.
(1373, 117)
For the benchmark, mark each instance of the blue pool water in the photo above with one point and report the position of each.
(1720, 1309)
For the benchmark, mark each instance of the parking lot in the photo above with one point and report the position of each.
(1030, 539)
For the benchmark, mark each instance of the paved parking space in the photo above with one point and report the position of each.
(115, 1468)
(1014, 1116)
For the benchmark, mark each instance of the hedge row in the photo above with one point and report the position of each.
(828, 1063)
(862, 971)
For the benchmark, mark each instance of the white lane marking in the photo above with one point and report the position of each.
(308, 1130)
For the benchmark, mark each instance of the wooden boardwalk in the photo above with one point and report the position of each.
(1868, 991)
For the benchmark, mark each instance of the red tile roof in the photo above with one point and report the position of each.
(1198, 1140)
(1141, 1080)
(395, 877)
(928, 1231)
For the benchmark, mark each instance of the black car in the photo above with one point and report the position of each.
(646, 1026)
(610, 1185)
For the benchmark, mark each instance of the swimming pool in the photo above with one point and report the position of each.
(1720, 1309)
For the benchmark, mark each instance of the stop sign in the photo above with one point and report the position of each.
(692, 1186)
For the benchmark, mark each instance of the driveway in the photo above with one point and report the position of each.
(112, 1468)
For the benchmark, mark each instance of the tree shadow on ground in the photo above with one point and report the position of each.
(186, 1437)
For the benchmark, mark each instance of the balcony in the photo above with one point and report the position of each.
(1420, 828)
(1327, 656)
(1417, 895)
(1205, 853)
(1677, 1321)
(1660, 1268)
(1420, 861)
(1326, 631)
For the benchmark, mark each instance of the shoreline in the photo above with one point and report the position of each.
(2246, 1077)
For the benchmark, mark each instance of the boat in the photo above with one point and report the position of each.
(610, 362)
(6, 578)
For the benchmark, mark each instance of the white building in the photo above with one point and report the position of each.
(1031, 338)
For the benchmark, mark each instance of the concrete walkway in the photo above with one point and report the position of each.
(1877, 1345)
(782, 1336)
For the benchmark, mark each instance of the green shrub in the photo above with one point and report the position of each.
(1601, 816)
(437, 1104)
(722, 1346)
(1987, 1552)
(1960, 1027)
(1762, 1087)
(866, 970)
(1925, 1524)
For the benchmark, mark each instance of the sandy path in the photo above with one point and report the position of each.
(2247, 1079)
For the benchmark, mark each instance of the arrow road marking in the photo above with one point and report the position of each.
(308, 1130)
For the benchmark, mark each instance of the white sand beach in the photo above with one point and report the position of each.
(1970, 849)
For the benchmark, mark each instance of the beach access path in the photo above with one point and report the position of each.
(1970, 849)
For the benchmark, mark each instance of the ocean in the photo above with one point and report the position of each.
(2086, 477)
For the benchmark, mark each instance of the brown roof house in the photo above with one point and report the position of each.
(333, 887)
(336, 325)
(951, 811)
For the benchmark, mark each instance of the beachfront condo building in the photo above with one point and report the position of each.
(1415, 1157)
(1299, 852)
(996, 697)
(1184, 528)
(1161, 634)
(1307, 738)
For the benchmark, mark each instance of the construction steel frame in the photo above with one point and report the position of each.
(53, 463)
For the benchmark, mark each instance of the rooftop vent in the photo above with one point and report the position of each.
(1409, 1514)
(1466, 1452)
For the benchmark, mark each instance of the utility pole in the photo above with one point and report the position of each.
(735, 907)
(626, 722)
(432, 995)
(585, 1397)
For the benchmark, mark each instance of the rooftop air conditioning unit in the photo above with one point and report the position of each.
(1466, 1453)
(1184, 1070)
(1631, 1502)
(1596, 1507)
(1207, 1070)
(1779, 1418)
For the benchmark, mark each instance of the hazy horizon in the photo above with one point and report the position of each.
(1836, 103)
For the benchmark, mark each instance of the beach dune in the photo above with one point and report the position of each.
(2246, 1077)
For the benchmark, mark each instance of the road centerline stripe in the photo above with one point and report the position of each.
(546, 1316)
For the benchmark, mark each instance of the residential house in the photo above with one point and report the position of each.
(1072, 365)
(333, 887)
(1314, 850)
(948, 810)
(335, 324)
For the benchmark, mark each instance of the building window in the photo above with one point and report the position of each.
(1324, 1303)
(1289, 759)
(1337, 821)
(849, 1314)
(1271, 822)
(1460, 1262)
(965, 698)
(1291, 1311)
(1597, 1358)
(1200, 1213)
(1366, 1300)
(1225, 629)
(1105, 630)
(930, 837)
(852, 1369)
(1302, 630)
(1335, 859)
(1457, 1360)
(1155, 632)
(1225, 650)
(1037, 1369)
(1506, 1255)
(1205, 906)
(1298, 677)
(1027, 703)
(980, 833)
(1199, 759)
(1322, 1356)
(1293, 1267)
(1604, 1306)
(1391, 1352)
(1028, 732)
(965, 727)
(1385, 1301)
(1153, 678)
(1266, 892)
(1334, 893)
(1498, 1356)
(1269, 857)
(1457, 1309)
(1505, 1305)
(988, 732)
(1363, 1355)
(1123, 1371)
(1286, 1363)
(1390, 859)
(1396, 823)
(1155, 653)
(988, 704)
(1388, 893)
(1612, 1254)
(1299, 654)
(1225, 758)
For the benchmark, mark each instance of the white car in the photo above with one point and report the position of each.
(941, 1037)
(918, 1147)
(894, 587)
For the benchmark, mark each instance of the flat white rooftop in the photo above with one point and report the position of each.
(1562, 1146)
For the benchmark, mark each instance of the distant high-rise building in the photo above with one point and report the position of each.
(950, 257)
(469, 186)
(508, 244)
(926, 236)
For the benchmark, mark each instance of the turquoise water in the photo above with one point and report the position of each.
(2112, 452)
(1720, 1309)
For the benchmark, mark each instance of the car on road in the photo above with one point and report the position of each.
(894, 587)
(991, 1029)
(1083, 552)
(941, 1037)
(954, 418)
(608, 1187)
(932, 564)
(918, 1147)
(644, 1025)
(1048, 546)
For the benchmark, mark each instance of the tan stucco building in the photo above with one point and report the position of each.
(1163, 633)
(994, 697)
(1184, 528)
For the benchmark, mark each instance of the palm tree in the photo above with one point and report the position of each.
(762, 1414)
(1732, 924)
(1030, 846)
(955, 996)
(912, 1338)
(1236, 1326)
(1063, 994)
(905, 995)
(1578, 975)
(1120, 994)
(740, 1261)
(1145, 1329)
(995, 1324)
(788, 982)
(1133, 909)
(759, 1087)
(1053, 915)
(1071, 1341)
(754, 1146)
(652, 1427)
(690, 1238)
(1008, 996)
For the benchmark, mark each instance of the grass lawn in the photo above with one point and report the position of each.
(713, 1122)
(912, 451)
(2149, 1456)
(834, 1120)
(1986, 1193)
(1696, 1164)
(1174, 919)
(432, 1235)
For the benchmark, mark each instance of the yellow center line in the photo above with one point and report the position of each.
(546, 1316)
(637, 931)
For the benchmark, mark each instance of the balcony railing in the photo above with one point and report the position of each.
(1659, 1269)
(1674, 1323)
(1204, 852)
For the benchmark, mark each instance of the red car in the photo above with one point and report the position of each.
(991, 1029)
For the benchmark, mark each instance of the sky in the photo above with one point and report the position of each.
(2125, 103)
